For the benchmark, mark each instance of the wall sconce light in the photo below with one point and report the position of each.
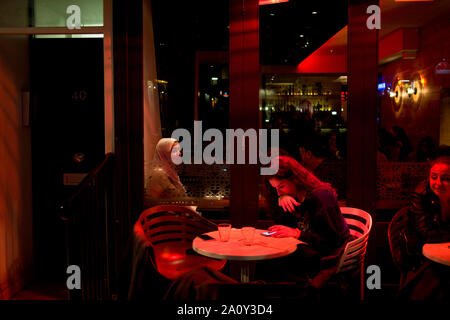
(416, 90)
(397, 93)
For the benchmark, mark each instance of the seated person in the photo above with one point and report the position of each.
(310, 213)
(333, 152)
(389, 145)
(428, 221)
(405, 145)
(426, 150)
(312, 153)
(163, 181)
(313, 158)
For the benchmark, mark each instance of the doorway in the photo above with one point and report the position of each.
(67, 136)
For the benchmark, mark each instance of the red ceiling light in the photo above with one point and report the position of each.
(264, 2)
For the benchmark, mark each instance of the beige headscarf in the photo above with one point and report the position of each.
(163, 181)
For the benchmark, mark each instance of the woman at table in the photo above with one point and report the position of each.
(163, 181)
(428, 221)
(308, 211)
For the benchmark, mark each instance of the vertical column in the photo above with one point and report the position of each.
(108, 79)
(362, 114)
(362, 107)
(244, 101)
(128, 114)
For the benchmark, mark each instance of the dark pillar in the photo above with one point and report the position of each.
(244, 111)
(362, 113)
(244, 102)
(128, 115)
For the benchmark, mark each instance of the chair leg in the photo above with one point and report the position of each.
(362, 280)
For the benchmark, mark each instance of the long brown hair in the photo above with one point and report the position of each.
(289, 168)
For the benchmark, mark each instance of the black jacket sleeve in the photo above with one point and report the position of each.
(424, 223)
(329, 229)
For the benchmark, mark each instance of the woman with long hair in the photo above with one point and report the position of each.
(310, 213)
(428, 221)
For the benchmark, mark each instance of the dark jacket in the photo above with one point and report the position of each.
(423, 279)
(320, 221)
(424, 224)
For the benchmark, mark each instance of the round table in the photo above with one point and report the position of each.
(437, 252)
(262, 248)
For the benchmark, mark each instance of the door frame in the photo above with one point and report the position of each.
(107, 31)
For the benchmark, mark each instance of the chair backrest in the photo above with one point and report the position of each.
(395, 231)
(170, 229)
(360, 224)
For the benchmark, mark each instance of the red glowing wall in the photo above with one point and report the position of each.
(421, 118)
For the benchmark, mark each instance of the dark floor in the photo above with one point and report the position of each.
(43, 290)
(56, 290)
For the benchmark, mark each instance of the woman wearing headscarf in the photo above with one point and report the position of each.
(163, 181)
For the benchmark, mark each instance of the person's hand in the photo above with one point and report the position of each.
(284, 232)
(288, 202)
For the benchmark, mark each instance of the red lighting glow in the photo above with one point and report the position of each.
(331, 57)
(172, 256)
(264, 2)
(413, 0)
(422, 81)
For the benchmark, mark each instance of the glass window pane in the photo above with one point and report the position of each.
(191, 54)
(49, 13)
(53, 13)
(304, 89)
(413, 87)
(14, 14)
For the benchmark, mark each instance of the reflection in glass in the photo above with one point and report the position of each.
(48, 13)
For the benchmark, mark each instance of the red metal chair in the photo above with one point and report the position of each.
(169, 230)
(395, 233)
(360, 224)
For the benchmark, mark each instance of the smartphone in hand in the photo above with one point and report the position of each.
(268, 233)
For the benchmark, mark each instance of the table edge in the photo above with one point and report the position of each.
(244, 258)
(434, 258)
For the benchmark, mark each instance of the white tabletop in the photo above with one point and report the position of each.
(437, 252)
(235, 249)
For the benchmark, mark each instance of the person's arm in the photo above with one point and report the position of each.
(329, 228)
(284, 231)
(421, 229)
(288, 202)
